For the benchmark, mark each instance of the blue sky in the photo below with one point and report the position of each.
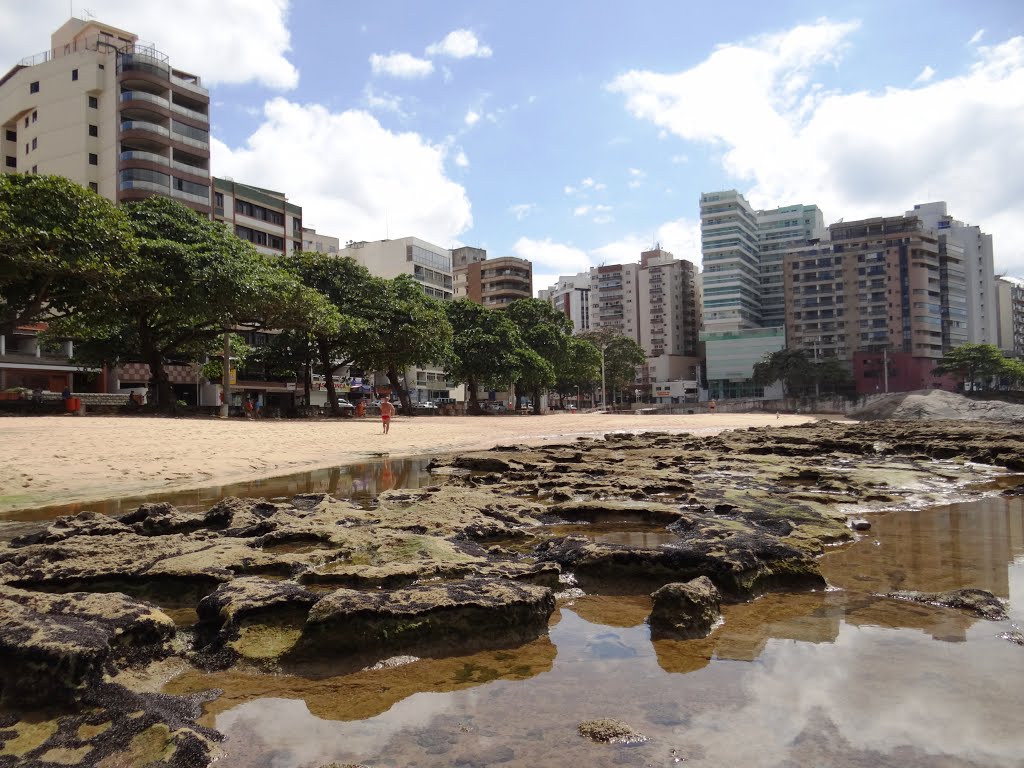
(578, 133)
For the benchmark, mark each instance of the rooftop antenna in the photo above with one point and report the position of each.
(87, 14)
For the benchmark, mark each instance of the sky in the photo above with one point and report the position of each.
(579, 133)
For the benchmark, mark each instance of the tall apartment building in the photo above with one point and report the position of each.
(1010, 301)
(262, 216)
(982, 324)
(110, 113)
(431, 267)
(319, 243)
(571, 296)
(885, 294)
(780, 230)
(732, 268)
(615, 299)
(495, 282)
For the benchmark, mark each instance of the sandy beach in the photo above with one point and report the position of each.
(60, 459)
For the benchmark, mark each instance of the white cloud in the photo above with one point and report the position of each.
(461, 160)
(569, 189)
(926, 74)
(581, 210)
(586, 185)
(601, 212)
(352, 177)
(237, 42)
(976, 37)
(522, 210)
(680, 159)
(380, 100)
(636, 178)
(459, 44)
(472, 117)
(403, 65)
(855, 154)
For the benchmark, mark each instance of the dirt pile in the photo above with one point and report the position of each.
(937, 404)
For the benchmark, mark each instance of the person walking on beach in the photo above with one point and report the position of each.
(387, 410)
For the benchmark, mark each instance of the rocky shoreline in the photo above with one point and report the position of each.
(475, 562)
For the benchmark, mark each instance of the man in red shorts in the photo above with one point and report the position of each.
(387, 410)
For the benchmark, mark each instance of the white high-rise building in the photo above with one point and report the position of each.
(430, 266)
(780, 230)
(571, 296)
(1010, 298)
(732, 269)
(982, 321)
(614, 299)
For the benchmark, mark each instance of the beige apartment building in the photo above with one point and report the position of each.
(319, 243)
(571, 296)
(494, 283)
(111, 113)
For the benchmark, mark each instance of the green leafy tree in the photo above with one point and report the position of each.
(485, 348)
(546, 331)
(1013, 370)
(358, 299)
(193, 281)
(622, 355)
(60, 245)
(790, 366)
(832, 375)
(581, 368)
(409, 329)
(975, 364)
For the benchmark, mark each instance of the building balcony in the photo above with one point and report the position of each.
(134, 96)
(150, 157)
(149, 186)
(190, 85)
(140, 125)
(182, 195)
(190, 113)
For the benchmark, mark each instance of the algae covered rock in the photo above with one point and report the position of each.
(610, 731)
(976, 602)
(685, 611)
(460, 614)
(52, 647)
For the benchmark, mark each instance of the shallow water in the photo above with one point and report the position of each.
(360, 483)
(837, 678)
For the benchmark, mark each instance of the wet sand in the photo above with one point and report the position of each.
(56, 459)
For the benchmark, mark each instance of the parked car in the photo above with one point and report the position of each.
(424, 406)
(344, 404)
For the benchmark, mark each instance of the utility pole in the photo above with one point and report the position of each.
(817, 373)
(885, 368)
(604, 401)
(226, 379)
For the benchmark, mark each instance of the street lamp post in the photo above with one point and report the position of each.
(604, 399)
(636, 393)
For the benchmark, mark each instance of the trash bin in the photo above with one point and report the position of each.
(72, 404)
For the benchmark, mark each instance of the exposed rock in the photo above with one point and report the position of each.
(465, 614)
(740, 561)
(860, 524)
(237, 605)
(163, 518)
(652, 512)
(610, 731)
(937, 404)
(685, 610)
(52, 647)
(1016, 636)
(977, 602)
(82, 524)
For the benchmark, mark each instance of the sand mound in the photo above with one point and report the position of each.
(936, 404)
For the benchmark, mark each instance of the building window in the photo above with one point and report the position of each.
(35, 169)
(12, 135)
(102, 66)
(94, 186)
(94, 130)
(94, 103)
(26, 147)
(74, 74)
(26, 121)
(35, 115)
(12, 162)
(33, 87)
(94, 159)
(35, 142)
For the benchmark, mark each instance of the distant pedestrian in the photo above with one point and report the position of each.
(65, 395)
(387, 410)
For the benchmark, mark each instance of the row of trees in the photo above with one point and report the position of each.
(157, 282)
(979, 366)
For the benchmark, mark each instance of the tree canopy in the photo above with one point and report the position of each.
(790, 366)
(486, 348)
(60, 245)
(545, 331)
(622, 355)
(193, 281)
(976, 364)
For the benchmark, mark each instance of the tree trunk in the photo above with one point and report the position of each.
(161, 386)
(325, 363)
(403, 395)
(536, 400)
(307, 379)
(474, 404)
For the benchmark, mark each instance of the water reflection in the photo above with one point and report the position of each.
(360, 483)
(838, 678)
